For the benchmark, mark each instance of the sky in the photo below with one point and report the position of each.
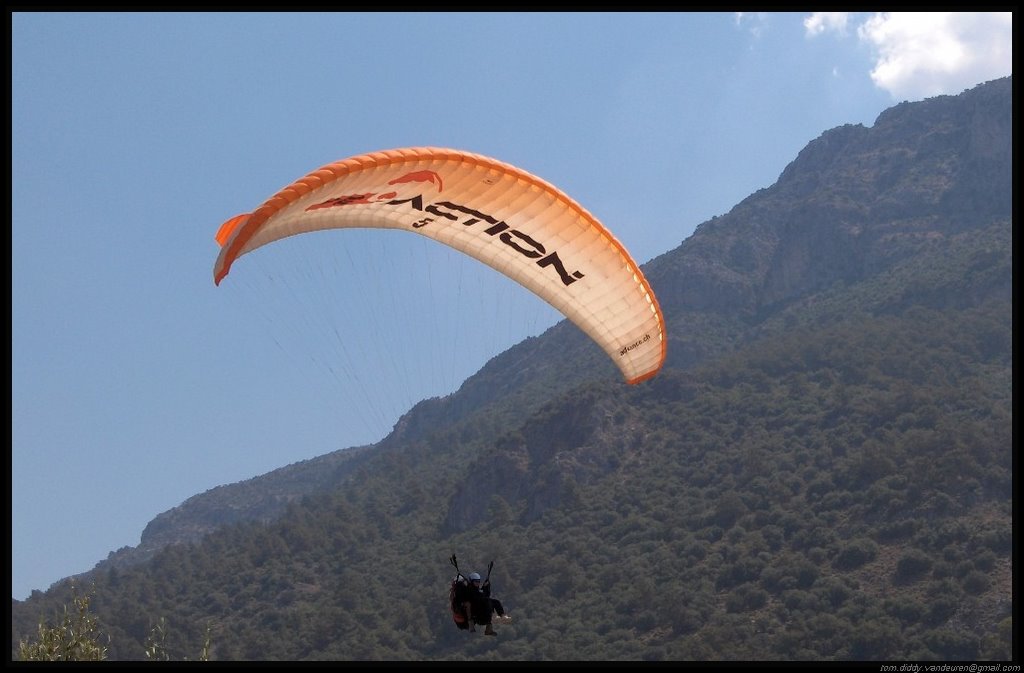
(137, 383)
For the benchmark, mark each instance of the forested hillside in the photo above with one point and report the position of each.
(822, 472)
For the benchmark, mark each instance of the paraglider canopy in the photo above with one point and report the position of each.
(503, 216)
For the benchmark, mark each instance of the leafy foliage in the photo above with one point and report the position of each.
(75, 637)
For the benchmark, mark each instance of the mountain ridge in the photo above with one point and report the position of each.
(821, 470)
(709, 275)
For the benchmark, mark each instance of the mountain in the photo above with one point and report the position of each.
(822, 471)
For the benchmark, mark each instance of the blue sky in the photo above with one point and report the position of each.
(136, 383)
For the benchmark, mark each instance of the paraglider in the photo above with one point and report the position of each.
(471, 603)
(505, 217)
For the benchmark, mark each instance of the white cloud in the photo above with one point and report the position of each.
(922, 54)
(819, 22)
(755, 22)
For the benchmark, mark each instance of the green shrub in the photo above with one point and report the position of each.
(975, 582)
(912, 565)
(746, 597)
(75, 638)
(855, 553)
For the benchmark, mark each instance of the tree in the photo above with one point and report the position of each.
(76, 638)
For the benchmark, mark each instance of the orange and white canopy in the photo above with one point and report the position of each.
(501, 215)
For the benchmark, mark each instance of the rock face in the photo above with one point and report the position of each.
(536, 463)
(853, 203)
